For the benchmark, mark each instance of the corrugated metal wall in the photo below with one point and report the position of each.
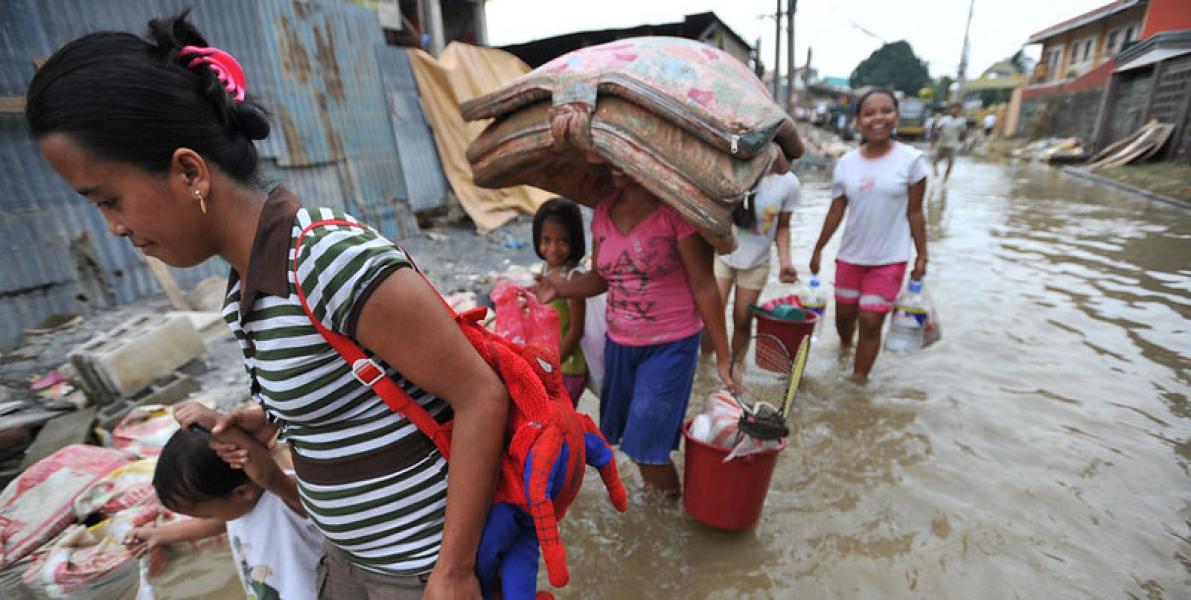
(315, 65)
(424, 178)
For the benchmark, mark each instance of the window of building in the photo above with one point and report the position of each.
(1130, 34)
(1081, 51)
(1110, 47)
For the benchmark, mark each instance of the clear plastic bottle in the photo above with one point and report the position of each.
(908, 323)
(814, 299)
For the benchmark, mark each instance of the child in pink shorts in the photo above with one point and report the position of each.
(873, 288)
(879, 187)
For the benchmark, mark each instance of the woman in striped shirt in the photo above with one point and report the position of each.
(159, 135)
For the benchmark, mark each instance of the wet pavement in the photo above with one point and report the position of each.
(1039, 450)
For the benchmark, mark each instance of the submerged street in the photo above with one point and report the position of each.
(1040, 449)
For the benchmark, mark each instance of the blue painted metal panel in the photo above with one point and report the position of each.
(420, 165)
(314, 65)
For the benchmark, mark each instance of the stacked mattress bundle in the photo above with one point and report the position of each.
(689, 122)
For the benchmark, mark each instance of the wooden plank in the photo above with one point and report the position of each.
(161, 272)
(71, 428)
(12, 104)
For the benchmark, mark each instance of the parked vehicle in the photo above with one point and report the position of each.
(912, 113)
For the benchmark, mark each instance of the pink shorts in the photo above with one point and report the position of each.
(873, 287)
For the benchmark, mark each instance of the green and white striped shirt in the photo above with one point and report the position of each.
(392, 523)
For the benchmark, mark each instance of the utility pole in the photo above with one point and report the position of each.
(806, 73)
(758, 63)
(434, 26)
(962, 71)
(777, 53)
(791, 66)
(480, 21)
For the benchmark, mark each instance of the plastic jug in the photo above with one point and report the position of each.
(914, 324)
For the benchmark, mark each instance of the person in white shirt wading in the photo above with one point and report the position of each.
(762, 220)
(952, 131)
(880, 186)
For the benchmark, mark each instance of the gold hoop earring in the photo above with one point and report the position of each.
(202, 203)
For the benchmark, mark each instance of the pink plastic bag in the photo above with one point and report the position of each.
(522, 319)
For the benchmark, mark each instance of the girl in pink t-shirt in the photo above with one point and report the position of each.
(661, 292)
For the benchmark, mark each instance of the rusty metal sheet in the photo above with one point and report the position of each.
(420, 165)
(314, 65)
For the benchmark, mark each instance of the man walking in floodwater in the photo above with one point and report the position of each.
(952, 131)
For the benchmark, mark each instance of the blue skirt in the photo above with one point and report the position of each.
(645, 396)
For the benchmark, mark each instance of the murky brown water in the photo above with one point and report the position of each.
(1040, 450)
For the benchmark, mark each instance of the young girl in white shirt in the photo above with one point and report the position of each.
(880, 188)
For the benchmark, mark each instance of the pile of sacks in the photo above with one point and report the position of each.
(63, 521)
(689, 122)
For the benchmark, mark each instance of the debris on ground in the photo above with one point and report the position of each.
(86, 406)
(1054, 150)
(1134, 148)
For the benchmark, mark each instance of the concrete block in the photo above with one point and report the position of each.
(171, 389)
(208, 295)
(124, 360)
(209, 324)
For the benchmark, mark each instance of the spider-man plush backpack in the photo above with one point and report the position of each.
(547, 444)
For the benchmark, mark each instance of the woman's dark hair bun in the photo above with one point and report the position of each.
(133, 99)
(170, 34)
(174, 33)
(253, 120)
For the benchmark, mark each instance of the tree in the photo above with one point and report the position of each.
(942, 88)
(1021, 62)
(893, 66)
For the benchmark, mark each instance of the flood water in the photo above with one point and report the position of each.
(1039, 450)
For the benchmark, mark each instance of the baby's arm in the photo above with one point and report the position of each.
(249, 454)
(145, 538)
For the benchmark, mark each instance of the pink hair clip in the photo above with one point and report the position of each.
(226, 69)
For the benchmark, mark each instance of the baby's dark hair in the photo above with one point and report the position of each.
(887, 92)
(134, 100)
(566, 213)
(188, 471)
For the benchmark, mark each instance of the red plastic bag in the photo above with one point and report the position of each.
(520, 318)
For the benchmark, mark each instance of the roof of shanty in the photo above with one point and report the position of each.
(1091, 16)
(539, 52)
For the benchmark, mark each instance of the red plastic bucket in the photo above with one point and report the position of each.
(789, 331)
(725, 495)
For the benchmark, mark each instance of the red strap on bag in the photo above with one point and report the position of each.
(365, 369)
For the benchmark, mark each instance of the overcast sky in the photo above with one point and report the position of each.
(835, 29)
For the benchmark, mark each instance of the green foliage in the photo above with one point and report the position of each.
(1021, 62)
(893, 66)
(941, 88)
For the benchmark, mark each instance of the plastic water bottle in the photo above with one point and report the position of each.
(908, 324)
(814, 300)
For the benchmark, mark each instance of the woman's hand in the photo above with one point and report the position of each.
(787, 274)
(919, 268)
(241, 451)
(545, 289)
(444, 584)
(252, 420)
(815, 258)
